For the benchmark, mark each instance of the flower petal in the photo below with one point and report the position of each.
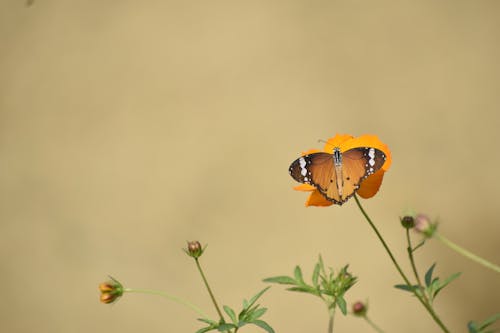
(369, 187)
(317, 199)
(337, 141)
(310, 151)
(304, 188)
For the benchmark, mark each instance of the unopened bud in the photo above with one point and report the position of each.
(194, 249)
(108, 298)
(407, 221)
(424, 225)
(110, 291)
(359, 309)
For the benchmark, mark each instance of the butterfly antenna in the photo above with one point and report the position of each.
(325, 142)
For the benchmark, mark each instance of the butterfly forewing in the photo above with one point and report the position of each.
(315, 169)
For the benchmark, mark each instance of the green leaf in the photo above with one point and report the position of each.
(428, 275)
(304, 289)
(315, 275)
(206, 329)
(281, 280)
(226, 327)
(298, 275)
(322, 265)
(490, 320)
(208, 321)
(342, 304)
(405, 287)
(242, 323)
(257, 314)
(231, 314)
(443, 284)
(472, 327)
(256, 297)
(262, 324)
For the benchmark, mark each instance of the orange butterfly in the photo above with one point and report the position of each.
(337, 176)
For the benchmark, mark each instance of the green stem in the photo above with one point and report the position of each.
(413, 266)
(209, 290)
(330, 321)
(167, 296)
(466, 253)
(419, 297)
(372, 324)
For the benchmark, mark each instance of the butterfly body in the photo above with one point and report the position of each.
(337, 176)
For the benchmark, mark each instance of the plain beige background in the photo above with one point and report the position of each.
(129, 127)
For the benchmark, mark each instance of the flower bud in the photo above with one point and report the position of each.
(194, 249)
(407, 221)
(424, 225)
(359, 309)
(110, 291)
(108, 298)
(106, 287)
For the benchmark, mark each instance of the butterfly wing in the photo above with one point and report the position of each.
(317, 169)
(357, 165)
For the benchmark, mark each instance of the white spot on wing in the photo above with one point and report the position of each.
(302, 163)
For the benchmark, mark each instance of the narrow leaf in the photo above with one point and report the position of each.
(322, 265)
(490, 320)
(205, 329)
(428, 275)
(405, 287)
(315, 275)
(208, 321)
(262, 324)
(231, 314)
(226, 327)
(304, 289)
(242, 323)
(257, 313)
(472, 327)
(256, 297)
(446, 282)
(281, 280)
(342, 304)
(298, 275)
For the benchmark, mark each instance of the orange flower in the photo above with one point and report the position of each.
(369, 186)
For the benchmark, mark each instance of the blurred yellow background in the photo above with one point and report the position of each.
(127, 128)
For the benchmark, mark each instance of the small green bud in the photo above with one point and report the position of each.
(407, 221)
(359, 309)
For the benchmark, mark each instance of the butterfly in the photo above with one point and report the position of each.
(337, 176)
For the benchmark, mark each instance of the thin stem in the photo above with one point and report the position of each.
(413, 266)
(170, 297)
(466, 253)
(209, 290)
(372, 324)
(330, 321)
(419, 297)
